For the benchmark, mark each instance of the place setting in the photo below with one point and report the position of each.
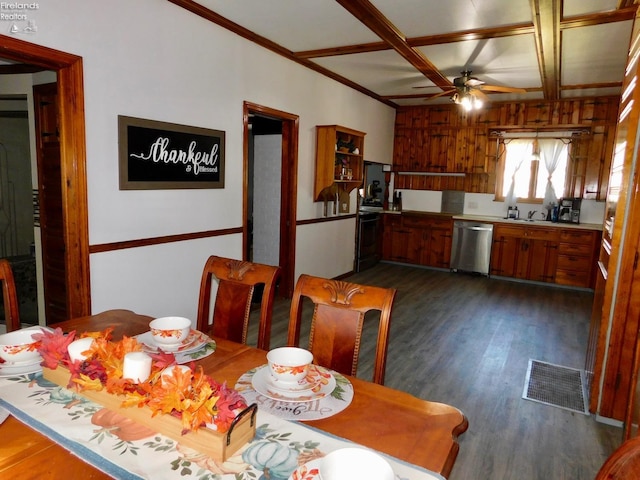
(19, 352)
(175, 335)
(290, 386)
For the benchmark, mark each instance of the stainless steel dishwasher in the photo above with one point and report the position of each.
(471, 246)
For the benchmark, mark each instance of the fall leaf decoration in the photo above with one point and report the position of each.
(190, 394)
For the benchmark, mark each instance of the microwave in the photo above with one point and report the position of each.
(569, 210)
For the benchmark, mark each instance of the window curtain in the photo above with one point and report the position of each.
(550, 151)
(518, 151)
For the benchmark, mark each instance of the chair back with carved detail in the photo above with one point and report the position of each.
(337, 323)
(623, 464)
(237, 281)
(9, 297)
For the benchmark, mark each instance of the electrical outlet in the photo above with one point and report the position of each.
(473, 205)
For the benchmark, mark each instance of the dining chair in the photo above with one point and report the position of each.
(237, 281)
(623, 463)
(338, 320)
(9, 296)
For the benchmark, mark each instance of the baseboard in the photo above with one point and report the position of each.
(609, 421)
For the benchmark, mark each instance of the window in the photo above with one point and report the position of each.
(527, 163)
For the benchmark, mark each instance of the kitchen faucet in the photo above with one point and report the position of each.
(531, 214)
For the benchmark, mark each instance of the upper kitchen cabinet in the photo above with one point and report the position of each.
(444, 139)
(339, 160)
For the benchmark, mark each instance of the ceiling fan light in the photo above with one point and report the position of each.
(466, 103)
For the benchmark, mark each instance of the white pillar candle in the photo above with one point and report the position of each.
(137, 366)
(77, 347)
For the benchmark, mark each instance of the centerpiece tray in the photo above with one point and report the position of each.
(217, 445)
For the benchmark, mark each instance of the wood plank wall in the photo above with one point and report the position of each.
(446, 139)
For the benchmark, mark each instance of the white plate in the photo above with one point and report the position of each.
(19, 368)
(308, 471)
(321, 383)
(193, 342)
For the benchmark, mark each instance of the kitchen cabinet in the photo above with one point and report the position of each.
(339, 161)
(419, 239)
(401, 243)
(528, 253)
(445, 139)
(576, 257)
(565, 256)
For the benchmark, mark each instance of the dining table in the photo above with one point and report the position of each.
(396, 423)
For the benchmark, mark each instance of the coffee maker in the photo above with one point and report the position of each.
(569, 210)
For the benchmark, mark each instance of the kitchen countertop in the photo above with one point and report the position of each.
(493, 219)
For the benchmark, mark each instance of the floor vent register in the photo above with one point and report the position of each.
(554, 385)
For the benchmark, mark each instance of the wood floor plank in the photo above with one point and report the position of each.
(466, 340)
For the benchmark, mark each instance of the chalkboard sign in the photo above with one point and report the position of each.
(159, 155)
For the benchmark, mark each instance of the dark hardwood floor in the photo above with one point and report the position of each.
(466, 340)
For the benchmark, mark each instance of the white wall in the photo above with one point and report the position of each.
(157, 61)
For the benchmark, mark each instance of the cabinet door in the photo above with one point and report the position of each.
(439, 247)
(504, 255)
(543, 258)
(405, 244)
(440, 141)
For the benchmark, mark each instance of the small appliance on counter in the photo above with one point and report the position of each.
(569, 210)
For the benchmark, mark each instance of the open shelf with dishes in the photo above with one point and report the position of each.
(339, 161)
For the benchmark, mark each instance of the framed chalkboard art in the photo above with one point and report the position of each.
(158, 155)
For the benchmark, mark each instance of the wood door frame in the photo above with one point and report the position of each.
(72, 162)
(289, 188)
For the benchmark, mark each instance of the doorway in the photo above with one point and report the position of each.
(281, 195)
(74, 213)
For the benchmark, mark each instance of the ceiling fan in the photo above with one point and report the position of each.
(469, 91)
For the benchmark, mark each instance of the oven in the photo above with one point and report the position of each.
(369, 240)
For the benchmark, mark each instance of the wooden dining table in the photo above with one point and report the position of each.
(417, 431)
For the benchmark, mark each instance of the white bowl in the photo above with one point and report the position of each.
(19, 346)
(170, 331)
(289, 365)
(354, 463)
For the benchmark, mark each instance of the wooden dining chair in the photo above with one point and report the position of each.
(623, 464)
(9, 296)
(338, 319)
(237, 281)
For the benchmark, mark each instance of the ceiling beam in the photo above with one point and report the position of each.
(526, 28)
(546, 23)
(213, 17)
(370, 16)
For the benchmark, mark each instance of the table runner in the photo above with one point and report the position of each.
(280, 445)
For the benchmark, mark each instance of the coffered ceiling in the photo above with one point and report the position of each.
(403, 52)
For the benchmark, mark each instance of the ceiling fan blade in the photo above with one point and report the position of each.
(480, 94)
(497, 88)
(446, 92)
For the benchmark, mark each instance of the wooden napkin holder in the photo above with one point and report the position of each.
(219, 446)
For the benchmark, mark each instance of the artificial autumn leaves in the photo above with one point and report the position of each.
(193, 396)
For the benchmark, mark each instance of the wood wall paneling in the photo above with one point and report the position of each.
(445, 139)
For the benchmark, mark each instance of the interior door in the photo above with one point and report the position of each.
(50, 195)
(288, 191)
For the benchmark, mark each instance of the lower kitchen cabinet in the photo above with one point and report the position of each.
(529, 253)
(419, 239)
(577, 257)
(536, 252)
(544, 254)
